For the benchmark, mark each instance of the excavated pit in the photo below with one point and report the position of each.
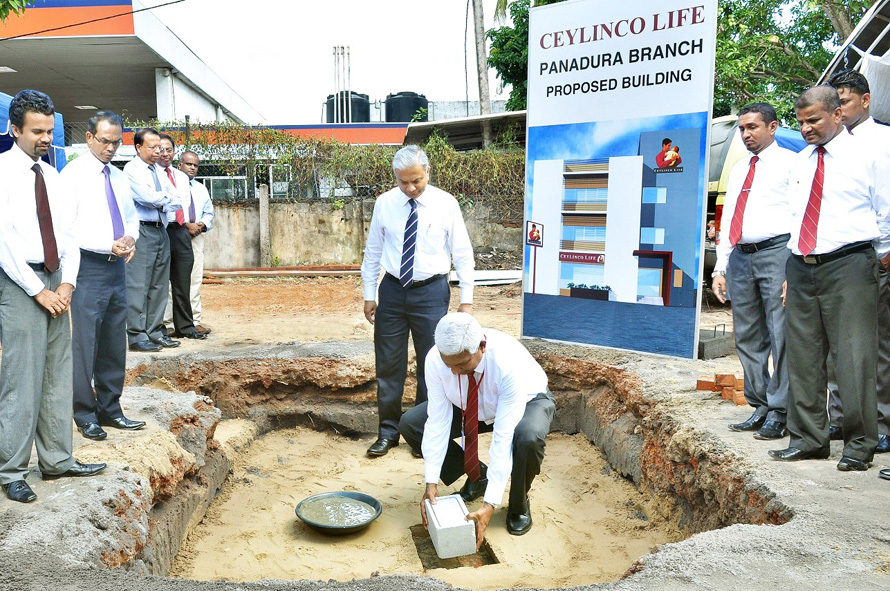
(685, 477)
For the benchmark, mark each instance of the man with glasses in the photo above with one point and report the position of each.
(106, 224)
(148, 274)
(182, 259)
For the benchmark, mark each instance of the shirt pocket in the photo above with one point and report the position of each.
(431, 238)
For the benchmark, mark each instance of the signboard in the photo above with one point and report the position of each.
(619, 108)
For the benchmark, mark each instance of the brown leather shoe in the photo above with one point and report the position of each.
(203, 329)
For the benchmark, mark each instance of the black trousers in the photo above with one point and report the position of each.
(400, 311)
(529, 441)
(99, 337)
(182, 259)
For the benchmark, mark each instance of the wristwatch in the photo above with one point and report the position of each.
(715, 273)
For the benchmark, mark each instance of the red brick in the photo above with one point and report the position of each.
(728, 393)
(707, 384)
(739, 398)
(726, 379)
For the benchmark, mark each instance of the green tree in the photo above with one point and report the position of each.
(13, 6)
(769, 50)
(509, 51)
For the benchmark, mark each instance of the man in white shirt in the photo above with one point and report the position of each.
(107, 226)
(148, 274)
(417, 231)
(471, 366)
(752, 251)
(39, 258)
(199, 220)
(853, 90)
(181, 256)
(839, 206)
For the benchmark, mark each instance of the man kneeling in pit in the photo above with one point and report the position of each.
(481, 380)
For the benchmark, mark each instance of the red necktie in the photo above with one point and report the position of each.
(45, 221)
(471, 431)
(180, 215)
(735, 227)
(810, 224)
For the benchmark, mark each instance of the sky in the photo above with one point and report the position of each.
(278, 54)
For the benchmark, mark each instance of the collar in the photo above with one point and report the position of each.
(838, 142)
(766, 153)
(95, 164)
(864, 126)
(22, 159)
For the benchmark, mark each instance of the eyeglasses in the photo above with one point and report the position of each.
(107, 142)
(166, 150)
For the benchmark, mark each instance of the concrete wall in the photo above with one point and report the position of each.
(318, 233)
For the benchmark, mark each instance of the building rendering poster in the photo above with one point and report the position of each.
(619, 104)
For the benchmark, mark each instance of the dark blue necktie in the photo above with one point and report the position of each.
(406, 272)
(117, 223)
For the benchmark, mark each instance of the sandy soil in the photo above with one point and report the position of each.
(590, 524)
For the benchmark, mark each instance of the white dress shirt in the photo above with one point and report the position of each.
(875, 136)
(85, 180)
(441, 238)
(19, 229)
(150, 202)
(767, 212)
(855, 196)
(180, 191)
(203, 205)
(510, 377)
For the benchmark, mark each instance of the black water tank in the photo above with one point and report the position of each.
(361, 108)
(402, 106)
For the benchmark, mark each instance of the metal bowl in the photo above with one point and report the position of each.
(339, 530)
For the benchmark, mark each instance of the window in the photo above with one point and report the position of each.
(580, 274)
(652, 235)
(226, 187)
(586, 195)
(648, 283)
(584, 233)
(279, 181)
(654, 195)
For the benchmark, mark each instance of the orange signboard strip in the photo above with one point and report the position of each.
(43, 19)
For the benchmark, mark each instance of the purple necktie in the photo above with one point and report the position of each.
(117, 223)
(191, 206)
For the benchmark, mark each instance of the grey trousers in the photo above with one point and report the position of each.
(35, 383)
(400, 311)
(529, 442)
(835, 411)
(833, 306)
(148, 277)
(758, 318)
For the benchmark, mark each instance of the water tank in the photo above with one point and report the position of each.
(361, 108)
(402, 106)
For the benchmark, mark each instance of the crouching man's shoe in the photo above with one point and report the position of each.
(519, 523)
(472, 490)
(382, 446)
(19, 491)
(78, 469)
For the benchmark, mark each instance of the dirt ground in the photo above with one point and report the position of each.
(590, 524)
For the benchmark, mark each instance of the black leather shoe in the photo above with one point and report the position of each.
(771, 430)
(471, 490)
(190, 334)
(19, 491)
(382, 446)
(884, 473)
(145, 347)
(835, 434)
(519, 523)
(752, 424)
(121, 423)
(78, 469)
(166, 341)
(848, 464)
(883, 444)
(416, 453)
(792, 454)
(92, 431)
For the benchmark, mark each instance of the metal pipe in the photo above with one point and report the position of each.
(349, 80)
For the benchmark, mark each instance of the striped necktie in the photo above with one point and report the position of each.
(471, 431)
(406, 271)
(735, 227)
(810, 225)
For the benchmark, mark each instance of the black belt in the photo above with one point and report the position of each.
(155, 224)
(98, 256)
(415, 284)
(753, 247)
(818, 259)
